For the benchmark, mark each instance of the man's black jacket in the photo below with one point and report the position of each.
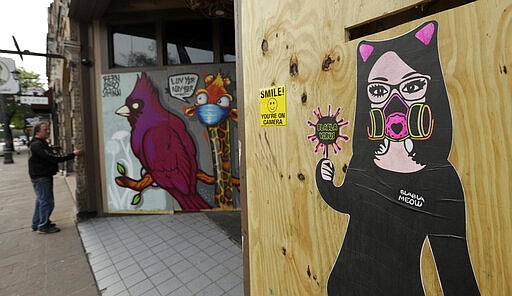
(43, 162)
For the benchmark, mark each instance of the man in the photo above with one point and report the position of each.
(42, 165)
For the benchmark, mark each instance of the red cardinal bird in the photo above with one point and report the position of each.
(159, 139)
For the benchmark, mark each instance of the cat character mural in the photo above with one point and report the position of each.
(400, 189)
(164, 147)
(213, 109)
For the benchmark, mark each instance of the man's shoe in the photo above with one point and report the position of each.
(51, 225)
(48, 230)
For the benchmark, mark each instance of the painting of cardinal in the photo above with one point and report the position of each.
(162, 144)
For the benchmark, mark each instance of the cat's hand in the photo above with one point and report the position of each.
(327, 170)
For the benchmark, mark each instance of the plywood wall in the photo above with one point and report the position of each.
(293, 235)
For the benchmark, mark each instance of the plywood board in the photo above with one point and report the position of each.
(294, 236)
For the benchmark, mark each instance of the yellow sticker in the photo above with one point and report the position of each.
(273, 106)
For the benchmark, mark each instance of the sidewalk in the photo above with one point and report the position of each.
(181, 254)
(39, 264)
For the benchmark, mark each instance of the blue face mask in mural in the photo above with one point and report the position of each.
(211, 114)
(213, 109)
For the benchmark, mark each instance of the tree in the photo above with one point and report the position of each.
(15, 111)
(26, 80)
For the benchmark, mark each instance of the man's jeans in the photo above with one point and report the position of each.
(44, 202)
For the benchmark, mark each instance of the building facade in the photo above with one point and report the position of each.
(180, 152)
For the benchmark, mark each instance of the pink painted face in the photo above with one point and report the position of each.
(393, 86)
(391, 75)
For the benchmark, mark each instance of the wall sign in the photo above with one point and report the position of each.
(8, 85)
(273, 106)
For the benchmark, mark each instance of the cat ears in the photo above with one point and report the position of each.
(365, 50)
(424, 34)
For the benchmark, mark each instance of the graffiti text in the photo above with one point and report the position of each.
(182, 86)
(111, 85)
(410, 198)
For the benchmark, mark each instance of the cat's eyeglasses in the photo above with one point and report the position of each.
(411, 89)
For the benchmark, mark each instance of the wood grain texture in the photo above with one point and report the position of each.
(294, 237)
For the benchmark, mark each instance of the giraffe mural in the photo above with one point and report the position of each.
(213, 109)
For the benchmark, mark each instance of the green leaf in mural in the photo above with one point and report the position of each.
(121, 169)
(136, 199)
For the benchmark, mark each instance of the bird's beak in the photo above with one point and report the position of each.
(123, 111)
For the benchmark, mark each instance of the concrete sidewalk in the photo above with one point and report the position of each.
(164, 255)
(39, 264)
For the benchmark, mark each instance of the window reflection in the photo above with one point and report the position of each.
(228, 40)
(134, 45)
(189, 42)
(183, 42)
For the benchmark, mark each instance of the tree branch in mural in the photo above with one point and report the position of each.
(139, 186)
(400, 189)
(162, 144)
(213, 110)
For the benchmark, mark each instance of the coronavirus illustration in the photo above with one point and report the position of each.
(328, 130)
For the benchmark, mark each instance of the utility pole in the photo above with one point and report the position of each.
(8, 147)
(8, 85)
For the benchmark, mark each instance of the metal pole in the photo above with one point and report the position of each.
(7, 132)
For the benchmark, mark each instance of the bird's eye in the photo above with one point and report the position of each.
(135, 106)
(223, 101)
(202, 98)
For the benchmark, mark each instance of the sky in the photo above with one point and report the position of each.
(27, 20)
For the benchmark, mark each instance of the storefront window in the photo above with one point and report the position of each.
(189, 42)
(179, 42)
(228, 40)
(134, 45)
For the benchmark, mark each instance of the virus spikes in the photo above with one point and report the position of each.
(336, 147)
(327, 130)
(317, 113)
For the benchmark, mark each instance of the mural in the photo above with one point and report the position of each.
(213, 109)
(162, 144)
(155, 158)
(400, 189)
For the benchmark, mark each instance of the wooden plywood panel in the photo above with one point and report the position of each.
(294, 237)
(359, 12)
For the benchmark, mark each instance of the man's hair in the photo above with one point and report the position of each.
(38, 126)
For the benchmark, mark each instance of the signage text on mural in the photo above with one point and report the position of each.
(182, 86)
(111, 85)
(327, 131)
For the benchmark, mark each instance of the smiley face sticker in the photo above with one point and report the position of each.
(273, 106)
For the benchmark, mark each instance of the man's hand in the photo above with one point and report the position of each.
(77, 152)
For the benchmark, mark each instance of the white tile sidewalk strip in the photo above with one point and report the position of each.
(182, 254)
